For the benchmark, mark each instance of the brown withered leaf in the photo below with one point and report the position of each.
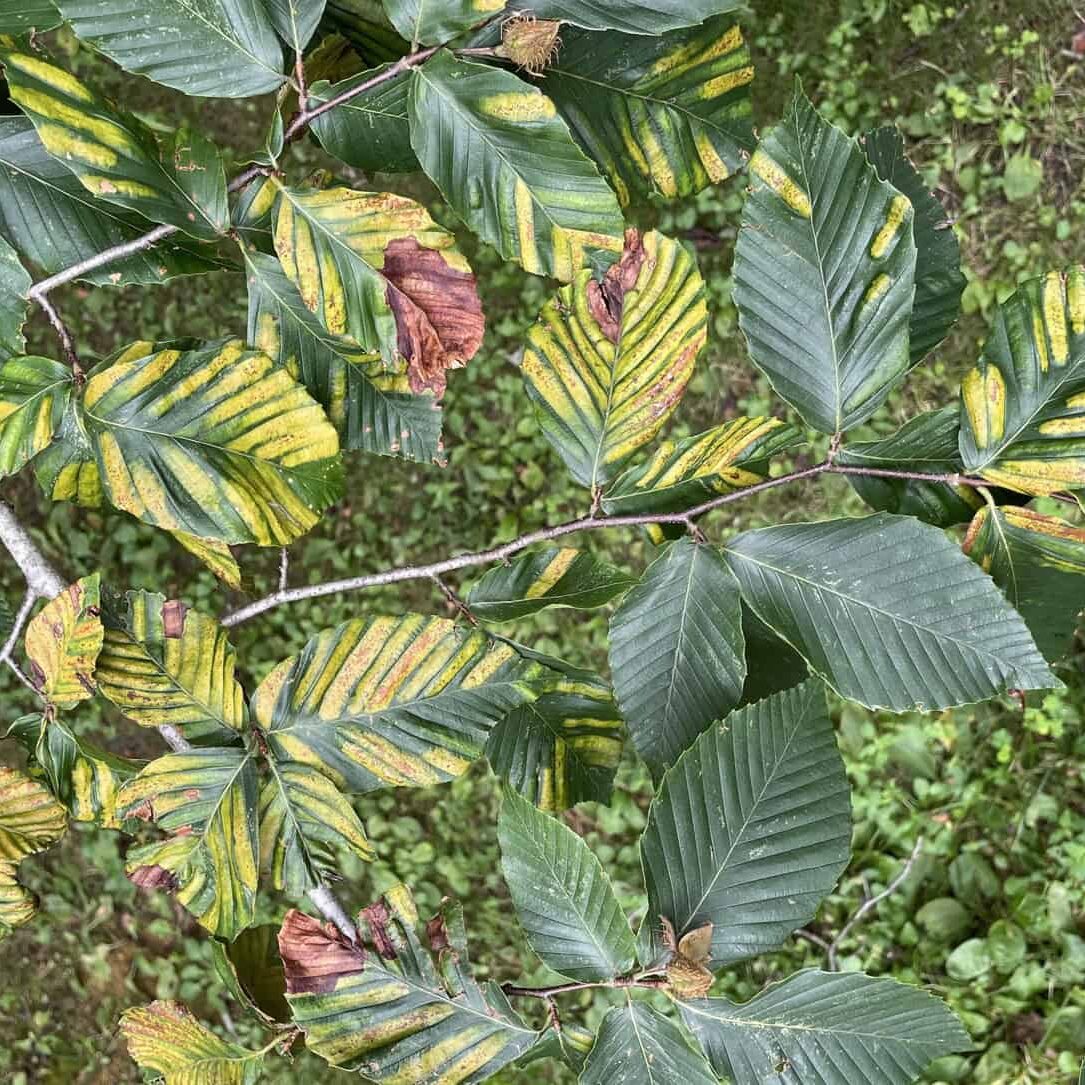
(606, 299)
(437, 310)
(315, 954)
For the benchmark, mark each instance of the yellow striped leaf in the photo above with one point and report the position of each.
(505, 161)
(14, 284)
(304, 819)
(215, 555)
(551, 577)
(391, 702)
(681, 474)
(31, 820)
(606, 364)
(34, 396)
(668, 114)
(207, 800)
(1023, 405)
(376, 267)
(217, 442)
(115, 157)
(396, 1010)
(63, 642)
(163, 663)
(165, 1039)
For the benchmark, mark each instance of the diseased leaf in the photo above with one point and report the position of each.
(605, 376)
(63, 641)
(377, 268)
(165, 1038)
(207, 800)
(821, 1028)
(47, 214)
(631, 16)
(676, 650)
(395, 1011)
(218, 442)
(1039, 562)
(1023, 406)
(114, 156)
(164, 664)
(215, 555)
(939, 281)
(682, 474)
(824, 272)
(252, 969)
(887, 611)
(551, 577)
(303, 820)
(34, 395)
(564, 900)
(371, 131)
(422, 23)
(507, 165)
(668, 114)
(207, 48)
(368, 402)
(14, 283)
(31, 820)
(392, 702)
(731, 840)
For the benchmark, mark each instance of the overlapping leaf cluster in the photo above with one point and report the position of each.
(544, 124)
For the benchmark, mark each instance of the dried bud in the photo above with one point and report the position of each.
(529, 42)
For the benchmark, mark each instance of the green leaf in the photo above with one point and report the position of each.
(31, 820)
(638, 1046)
(667, 114)
(218, 442)
(295, 20)
(392, 702)
(366, 26)
(207, 48)
(820, 1028)
(56, 223)
(115, 157)
(369, 403)
(28, 16)
(1023, 177)
(749, 830)
(939, 281)
(564, 747)
(252, 969)
(82, 776)
(604, 376)
(682, 474)
(165, 1039)
(928, 444)
(564, 900)
(1039, 562)
(423, 23)
(631, 16)
(772, 664)
(1023, 405)
(34, 395)
(507, 165)
(888, 611)
(304, 818)
(676, 650)
(371, 131)
(164, 664)
(824, 272)
(376, 267)
(207, 800)
(551, 577)
(63, 641)
(15, 281)
(394, 1011)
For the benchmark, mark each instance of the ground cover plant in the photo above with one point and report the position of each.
(359, 305)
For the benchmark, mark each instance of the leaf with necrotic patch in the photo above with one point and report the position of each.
(63, 643)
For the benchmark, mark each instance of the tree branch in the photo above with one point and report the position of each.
(623, 982)
(37, 570)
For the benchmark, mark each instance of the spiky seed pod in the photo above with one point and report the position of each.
(530, 43)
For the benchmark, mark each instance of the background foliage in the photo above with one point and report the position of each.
(993, 912)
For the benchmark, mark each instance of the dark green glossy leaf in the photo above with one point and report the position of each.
(252, 969)
(15, 281)
(26, 16)
(295, 20)
(366, 26)
(631, 16)
(421, 22)
(772, 664)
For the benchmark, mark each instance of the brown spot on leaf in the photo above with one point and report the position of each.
(315, 954)
(173, 618)
(377, 917)
(192, 793)
(606, 299)
(437, 310)
(154, 877)
(437, 934)
(144, 811)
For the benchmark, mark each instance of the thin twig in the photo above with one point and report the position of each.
(454, 600)
(548, 993)
(67, 346)
(868, 905)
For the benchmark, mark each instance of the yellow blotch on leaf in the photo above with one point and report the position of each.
(1055, 318)
(984, 396)
(518, 107)
(769, 171)
(900, 209)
